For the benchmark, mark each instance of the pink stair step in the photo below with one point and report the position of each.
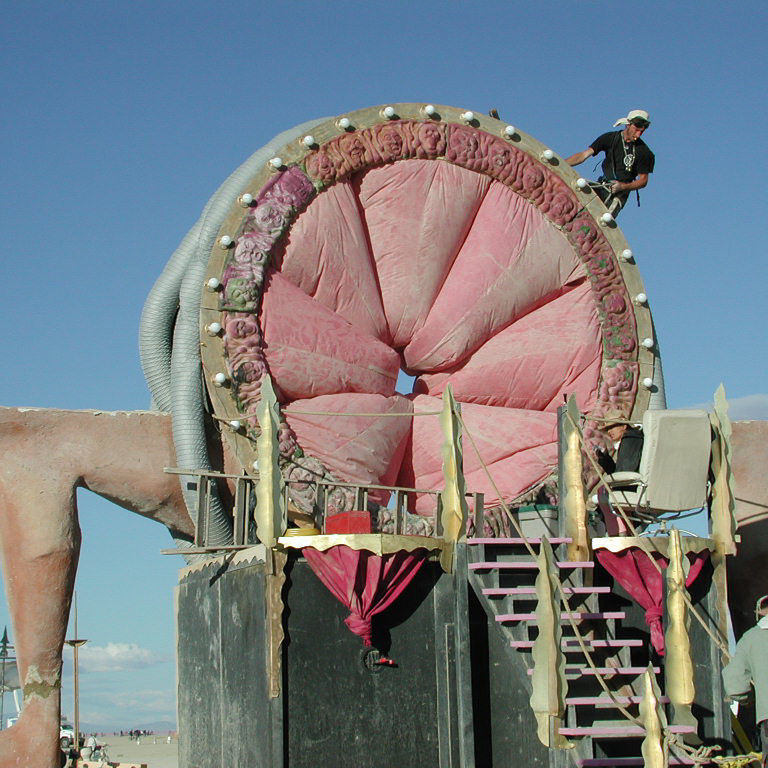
(620, 670)
(528, 565)
(599, 701)
(508, 542)
(575, 615)
(584, 670)
(618, 732)
(619, 762)
(503, 591)
(573, 645)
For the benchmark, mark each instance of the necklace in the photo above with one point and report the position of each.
(629, 158)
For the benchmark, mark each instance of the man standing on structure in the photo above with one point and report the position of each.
(749, 665)
(628, 160)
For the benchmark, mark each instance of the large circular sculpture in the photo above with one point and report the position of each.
(447, 244)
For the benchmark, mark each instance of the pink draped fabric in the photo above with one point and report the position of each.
(633, 569)
(364, 582)
(457, 277)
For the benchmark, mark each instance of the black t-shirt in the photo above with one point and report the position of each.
(614, 168)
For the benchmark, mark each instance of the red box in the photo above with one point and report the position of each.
(355, 521)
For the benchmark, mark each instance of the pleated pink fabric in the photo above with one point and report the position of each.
(428, 267)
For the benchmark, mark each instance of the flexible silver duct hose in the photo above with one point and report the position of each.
(157, 321)
(173, 373)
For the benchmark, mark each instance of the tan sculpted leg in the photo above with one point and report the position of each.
(40, 541)
(46, 456)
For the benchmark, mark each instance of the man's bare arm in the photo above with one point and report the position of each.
(580, 157)
(628, 186)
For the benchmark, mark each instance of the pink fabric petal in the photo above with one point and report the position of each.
(518, 447)
(512, 260)
(327, 256)
(554, 350)
(472, 283)
(356, 449)
(313, 351)
(417, 213)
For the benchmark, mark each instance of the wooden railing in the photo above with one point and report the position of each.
(244, 493)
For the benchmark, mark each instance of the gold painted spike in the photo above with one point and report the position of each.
(271, 517)
(723, 503)
(574, 500)
(454, 500)
(678, 668)
(548, 680)
(275, 607)
(654, 722)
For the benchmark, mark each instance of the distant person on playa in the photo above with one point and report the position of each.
(748, 666)
(628, 160)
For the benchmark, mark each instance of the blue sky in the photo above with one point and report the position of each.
(120, 119)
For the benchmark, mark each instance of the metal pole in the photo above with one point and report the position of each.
(76, 642)
(3, 659)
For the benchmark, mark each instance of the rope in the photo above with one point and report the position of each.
(700, 755)
(718, 640)
(569, 613)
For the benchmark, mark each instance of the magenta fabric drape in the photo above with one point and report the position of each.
(364, 582)
(633, 569)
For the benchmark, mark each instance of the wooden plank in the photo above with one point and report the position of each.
(518, 591)
(619, 732)
(517, 541)
(572, 669)
(238, 532)
(526, 565)
(575, 615)
(573, 645)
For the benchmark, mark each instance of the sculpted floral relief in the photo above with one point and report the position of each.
(280, 199)
(468, 148)
(430, 140)
(320, 166)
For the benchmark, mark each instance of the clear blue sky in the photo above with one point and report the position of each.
(121, 118)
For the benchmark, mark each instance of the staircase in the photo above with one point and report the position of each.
(502, 574)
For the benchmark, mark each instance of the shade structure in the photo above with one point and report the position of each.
(364, 582)
(635, 571)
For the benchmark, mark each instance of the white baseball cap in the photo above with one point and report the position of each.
(635, 114)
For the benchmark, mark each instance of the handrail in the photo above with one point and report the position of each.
(244, 492)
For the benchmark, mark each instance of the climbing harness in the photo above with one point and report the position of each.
(602, 187)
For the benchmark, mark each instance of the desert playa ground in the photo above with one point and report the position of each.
(121, 749)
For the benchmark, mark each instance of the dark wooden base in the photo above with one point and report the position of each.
(334, 708)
